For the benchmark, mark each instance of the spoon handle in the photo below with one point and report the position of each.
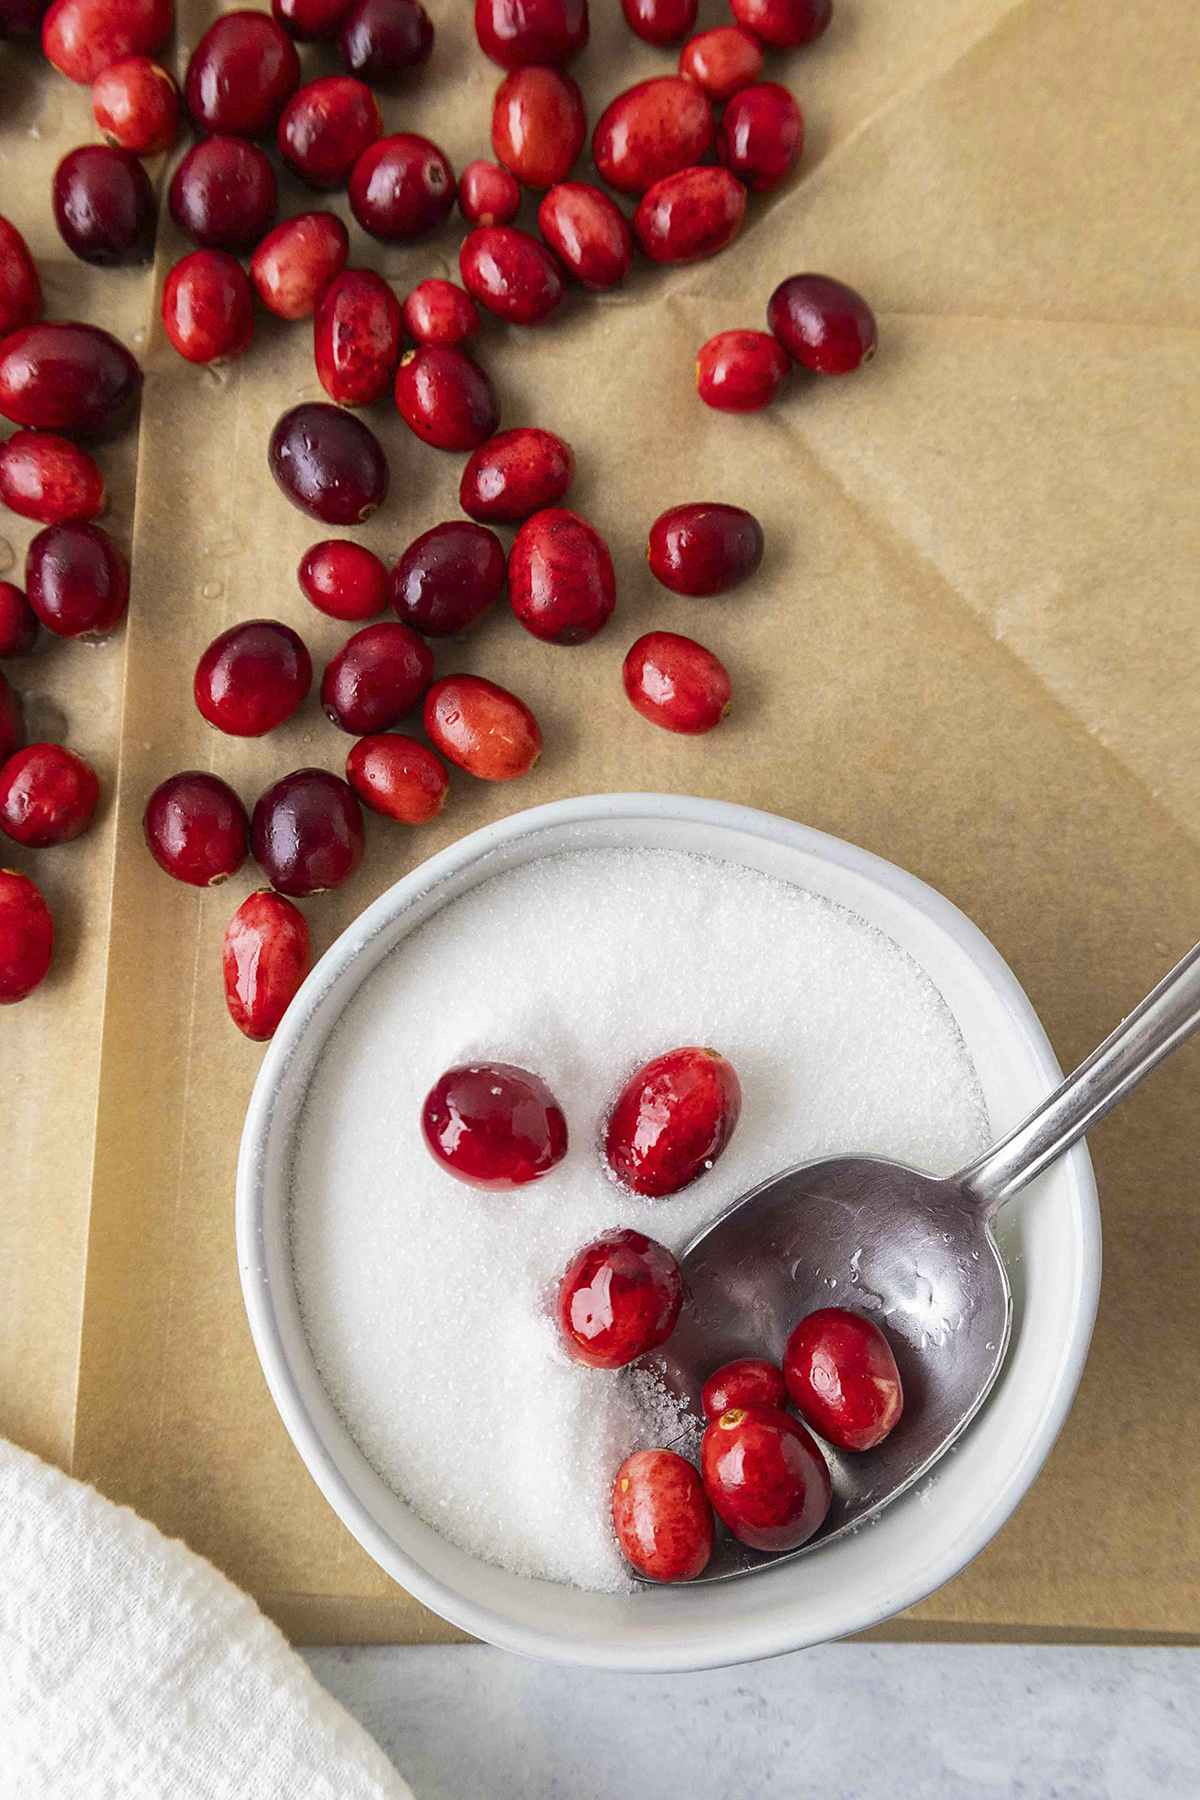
(1159, 1025)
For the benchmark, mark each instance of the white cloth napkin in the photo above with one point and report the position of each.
(131, 1670)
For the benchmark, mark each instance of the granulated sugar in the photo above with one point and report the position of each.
(426, 1301)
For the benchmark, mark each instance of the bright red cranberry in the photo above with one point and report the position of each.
(20, 289)
(135, 104)
(381, 41)
(843, 1379)
(662, 1516)
(822, 323)
(516, 32)
(672, 1120)
(307, 833)
(493, 1125)
(722, 61)
(766, 1477)
(12, 719)
(675, 682)
(690, 216)
(343, 579)
(47, 796)
(21, 18)
(741, 371)
(356, 337)
(539, 124)
(252, 677)
(783, 23)
(240, 75)
(590, 233)
(748, 1381)
(488, 194)
(445, 398)
(516, 474)
(660, 21)
(401, 188)
(296, 261)
(265, 957)
(61, 376)
(704, 548)
(325, 127)
(652, 130)
(328, 463)
(448, 578)
(377, 675)
(18, 633)
(481, 727)
(196, 828)
(26, 937)
(511, 274)
(309, 21)
(761, 136)
(82, 38)
(77, 580)
(50, 479)
(438, 312)
(560, 577)
(104, 206)
(222, 195)
(208, 307)
(398, 777)
(620, 1296)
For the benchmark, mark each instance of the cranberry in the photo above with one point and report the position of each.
(620, 1296)
(448, 578)
(783, 23)
(252, 677)
(722, 61)
(61, 376)
(511, 274)
(208, 307)
(135, 104)
(704, 548)
(82, 38)
(488, 194)
(438, 312)
(766, 1477)
(662, 1516)
(309, 21)
(377, 675)
(740, 371)
(822, 323)
(12, 720)
(307, 832)
(328, 463)
(240, 75)
(493, 1125)
(660, 21)
(77, 580)
(21, 18)
(398, 777)
(50, 479)
(516, 32)
(26, 937)
(356, 337)
(481, 727)
(748, 1381)
(325, 127)
(382, 40)
(47, 796)
(196, 828)
(560, 577)
(671, 1121)
(104, 206)
(761, 136)
(843, 1379)
(18, 635)
(20, 289)
(539, 124)
(675, 682)
(652, 130)
(222, 195)
(590, 233)
(515, 474)
(343, 579)
(689, 216)
(445, 398)
(401, 188)
(264, 959)
(294, 263)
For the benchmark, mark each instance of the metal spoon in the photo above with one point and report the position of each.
(915, 1252)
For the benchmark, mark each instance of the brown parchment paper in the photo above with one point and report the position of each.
(973, 647)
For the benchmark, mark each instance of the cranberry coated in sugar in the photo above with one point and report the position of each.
(18, 635)
(560, 577)
(47, 796)
(77, 580)
(494, 1125)
(12, 719)
(208, 307)
(264, 958)
(240, 75)
(672, 1120)
(690, 215)
(516, 32)
(135, 103)
(652, 130)
(196, 828)
(704, 547)
(383, 40)
(82, 38)
(660, 21)
(822, 323)
(747, 1381)
(398, 777)
(511, 274)
(722, 61)
(619, 1298)
(662, 1516)
(252, 677)
(761, 136)
(766, 1477)
(481, 727)
(741, 371)
(445, 398)
(539, 124)
(439, 312)
(515, 474)
(783, 23)
(63, 376)
(307, 833)
(328, 463)
(309, 21)
(325, 127)
(50, 479)
(842, 1378)
(675, 682)
(589, 232)
(294, 263)
(356, 337)
(488, 194)
(401, 187)
(223, 193)
(343, 579)
(20, 289)
(448, 578)
(378, 674)
(26, 937)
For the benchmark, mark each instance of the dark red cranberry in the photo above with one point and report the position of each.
(325, 127)
(511, 274)
(822, 323)
(328, 463)
(662, 1516)
(401, 188)
(481, 727)
(265, 957)
(672, 1120)
(488, 194)
(26, 937)
(448, 578)
(398, 777)
(590, 233)
(104, 206)
(843, 1379)
(516, 474)
(18, 633)
(50, 479)
(445, 398)
(135, 103)
(704, 548)
(690, 216)
(741, 371)
(356, 337)
(516, 32)
(309, 21)
(748, 1381)
(783, 23)
(343, 579)
(252, 677)
(47, 796)
(493, 1125)
(20, 289)
(722, 61)
(675, 682)
(61, 376)
(560, 577)
(652, 130)
(307, 833)
(208, 307)
(21, 18)
(539, 124)
(438, 312)
(378, 675)
(383, 40)
(196, 828)
(620, 1296)
(82, 38)
(766, 1477)
(12, 719)
(660, 21)
(77, 580)
(222, 195)
(296, 261)
(240, 75)
(761, 136)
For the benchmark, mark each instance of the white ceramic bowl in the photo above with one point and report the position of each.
(1050, 1235)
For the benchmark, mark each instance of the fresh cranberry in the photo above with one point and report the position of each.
(516, 32)
(766, 1477)
(445, 398)
(741, 371)
(662, 1516)
(343, 579)
(77, 580)
(783, 23)
(309, 21)
(222, 195)
(590, 233)
(560, 577)
(748, 1381)
(675, 682)
(690, 216)
(104, 206)
(20, 289)
(722, 61)
(21, 18)
(660, 21)
(307, 833)
(240, 75)
(50, 479)
(377, 675)
(401, 188)
(296, 261)
(481, 727)
(196, 828)
(448, 578)
(704, 548)
(356, 337)
(398, 777)
(384, 40)
(843, 1379)
(12, 719)
(516, 474)
(208, 307)
(252, 677)
(26, 937)
(135, 103)
(539, 124)
(18, 633)
(761, 136)
(620, 1296)
(328, 463)
(488, 194)
(325, 127)
(672, 1120)
(438, 312)
(82, 38)
(493, 1125)
(511, 274)
(264, 959)
(62, 376)
(47, 796)
(652, 130)
(822, 323)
